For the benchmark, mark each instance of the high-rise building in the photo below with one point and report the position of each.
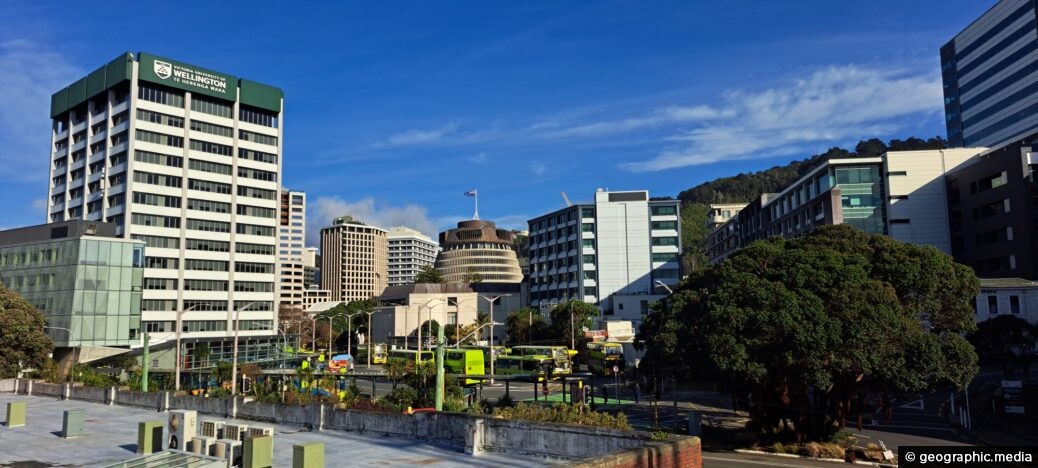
(606, 253)
(291, 249)
(477, 251)
(312, 267)
(353, 260)
(188, 161)
(409, 251)
(990, 84)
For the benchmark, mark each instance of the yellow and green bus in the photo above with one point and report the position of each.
(562, 356)
(532, 365)
(379, 354)
(455, 361)
(603, 357)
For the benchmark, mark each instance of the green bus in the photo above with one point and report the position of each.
(562, 356)
(455, 361)
(603, 357)
(532, 365)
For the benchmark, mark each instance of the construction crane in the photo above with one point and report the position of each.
(566, 199)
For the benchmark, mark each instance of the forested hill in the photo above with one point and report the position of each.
(744, 188)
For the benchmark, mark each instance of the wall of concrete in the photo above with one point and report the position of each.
(678, 451)
(472, 434)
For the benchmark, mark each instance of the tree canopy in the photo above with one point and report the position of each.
(22, 339)
(582, 315)
(1008, 342)
(428, 274)
(526, 326)
(801, 324)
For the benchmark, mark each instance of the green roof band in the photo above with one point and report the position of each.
(170, 73)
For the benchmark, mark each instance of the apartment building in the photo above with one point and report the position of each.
(291, 249)
(354, 262)
(409, 251)
(188, 161)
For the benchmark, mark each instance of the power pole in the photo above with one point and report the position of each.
(439, 368)
(145, 364)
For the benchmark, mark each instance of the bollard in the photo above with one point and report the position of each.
(16, 414)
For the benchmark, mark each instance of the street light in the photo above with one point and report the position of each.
(75, 352)
(664, 286)
(458, 344)
(176, 367)
(493, 358)
(349, 331)
(426, 305)
(234, 359)
(370, 313)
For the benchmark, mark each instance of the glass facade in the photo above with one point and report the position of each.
(90, 286)
(862, 197)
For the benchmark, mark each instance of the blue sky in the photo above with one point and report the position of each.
(394, 109)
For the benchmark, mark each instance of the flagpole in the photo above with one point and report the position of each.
(476, 197)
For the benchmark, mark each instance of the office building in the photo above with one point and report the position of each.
(86, 281)
(312, 267)
(610, 253)
(409, 251)
(477, 251)
(291, 249)
(900, 194)
(187, 160)
(353, 260)
(990, 74)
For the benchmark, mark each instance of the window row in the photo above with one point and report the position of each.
(257, 156)
(257, 174)
(156, 200)
(156, 158)
(212, 129)
(207, 205)
(257, 211)
(258, 117)
(258, 138)
(160, 138)
(205, 285)
(211, 106)
(159, 241)
(158, 95)
(156, 179)
(256, 193)
(208, 226)
(162, 119)
(208, 245)
(254, 230)
(207, 166)
(249, 267)
(210, 147)
(142, 219)
(207, 186)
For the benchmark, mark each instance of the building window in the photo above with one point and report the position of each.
(664, 210)
(1014, 304)
(993, 305)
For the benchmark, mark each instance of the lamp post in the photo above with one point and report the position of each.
(426, 305)
(234, 359)
(493, 358)
(75, 352)
(370, 313)
(349, 331)
(176, 367)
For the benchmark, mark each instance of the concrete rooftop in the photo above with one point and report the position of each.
(111, 436)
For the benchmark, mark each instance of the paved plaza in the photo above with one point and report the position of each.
(111, 436)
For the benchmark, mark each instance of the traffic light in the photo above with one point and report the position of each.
(246, 384)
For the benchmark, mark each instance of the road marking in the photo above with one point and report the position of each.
(918, 404)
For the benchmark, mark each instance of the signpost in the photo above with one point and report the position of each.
(1013, 396)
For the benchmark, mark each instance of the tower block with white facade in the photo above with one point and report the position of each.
(187, 160)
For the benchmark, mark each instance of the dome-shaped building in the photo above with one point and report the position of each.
(478, 250)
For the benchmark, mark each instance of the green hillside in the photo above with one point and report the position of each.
(743, 188)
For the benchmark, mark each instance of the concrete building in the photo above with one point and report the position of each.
(409, 251)
(187, 160)
(990, 206)
(402, 308)
(86, 281)
(311, 267)
(990, 84)
(721, 213)
(478, 251)
(354, 262)
(291, 249)
(1007, 296)
(901, 194)
(609, 253)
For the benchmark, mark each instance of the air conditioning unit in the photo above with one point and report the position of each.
(227, 449)
(235, 431)
(211, 428)
(182, 427)
(206, 443)
(258, 431)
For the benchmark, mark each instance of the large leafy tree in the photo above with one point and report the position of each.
(23, 344)
(428, 274)
(800, 324)
(359, 321)
(526, 326)
(571, 317)
(1008, 342)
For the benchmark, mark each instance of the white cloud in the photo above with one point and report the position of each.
(29, 74)
(323, 210)
(538, 168)
(450, 133)
(657, 118)
(479, 158)
(40, 205)
(832, 104)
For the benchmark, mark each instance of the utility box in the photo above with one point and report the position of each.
(183, 426)
(211, 428)
(228, 449)
(149, 437)
(16, 414)
(235, 431)
(695, 423)
(309, 455)
(72, 424)
(258, 452)
(260, 431)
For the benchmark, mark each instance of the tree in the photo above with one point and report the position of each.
(526, 326)
(801, 324)
(1008, 342)
(428, 274)
(581, 313)
(23, 344)
(341, 323)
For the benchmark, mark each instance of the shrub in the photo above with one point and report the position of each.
(564, 414)
(505, 401)
(660, 435)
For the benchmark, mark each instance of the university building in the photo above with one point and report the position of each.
(186, 160)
